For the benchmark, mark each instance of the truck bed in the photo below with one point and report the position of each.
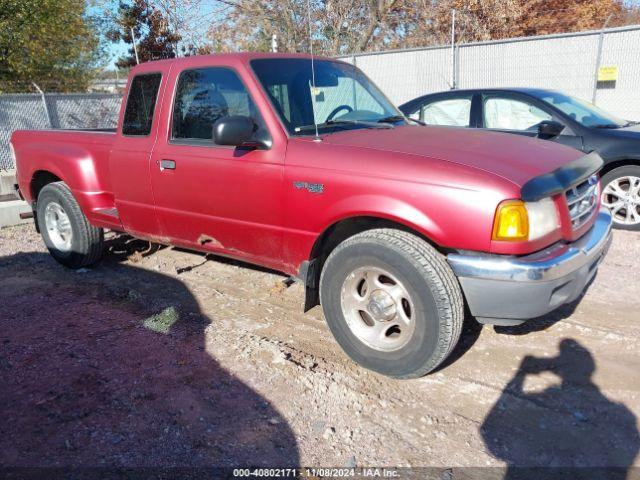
(80, 158)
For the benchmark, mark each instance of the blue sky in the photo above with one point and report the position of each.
(116, 50)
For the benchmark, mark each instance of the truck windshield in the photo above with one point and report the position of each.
(585, 113)
(343, 97)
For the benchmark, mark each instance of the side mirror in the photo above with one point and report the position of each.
(236, 131)
(549, 129)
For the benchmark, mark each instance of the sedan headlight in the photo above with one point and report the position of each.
(516, 220)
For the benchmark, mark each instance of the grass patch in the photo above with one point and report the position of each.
(161, 322)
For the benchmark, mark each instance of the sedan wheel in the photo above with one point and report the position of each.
(621, 195)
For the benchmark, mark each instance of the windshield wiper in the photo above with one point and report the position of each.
(398, 118)
(339, 123)
(607, 125)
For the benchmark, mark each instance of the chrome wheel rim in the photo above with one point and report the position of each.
(58, 226)
(378, 308)
(622, 197)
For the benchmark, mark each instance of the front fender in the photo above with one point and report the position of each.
(384, 207)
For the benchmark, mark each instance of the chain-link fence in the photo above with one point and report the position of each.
(52, 110)
(567, 62)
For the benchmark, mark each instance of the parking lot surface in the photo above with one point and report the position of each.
(161, 357)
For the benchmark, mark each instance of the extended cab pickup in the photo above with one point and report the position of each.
(307, 168)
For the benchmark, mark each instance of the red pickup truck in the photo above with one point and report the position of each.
(307, 168)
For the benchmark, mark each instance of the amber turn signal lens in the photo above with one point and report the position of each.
(511, 222)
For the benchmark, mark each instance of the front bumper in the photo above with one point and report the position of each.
(506, 290)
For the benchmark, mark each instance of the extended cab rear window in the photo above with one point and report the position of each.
(141, 104)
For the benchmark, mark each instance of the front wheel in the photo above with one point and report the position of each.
(621, 195)
(392, 302)
(66, 232)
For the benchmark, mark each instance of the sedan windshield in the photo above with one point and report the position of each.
(582, 112)
(342, 98)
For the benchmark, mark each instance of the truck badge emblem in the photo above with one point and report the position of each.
(310, 187)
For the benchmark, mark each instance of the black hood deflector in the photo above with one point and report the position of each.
(561, 179)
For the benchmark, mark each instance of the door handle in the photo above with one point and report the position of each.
(167, 164)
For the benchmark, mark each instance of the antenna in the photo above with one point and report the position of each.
(135, 48)
(313, 72)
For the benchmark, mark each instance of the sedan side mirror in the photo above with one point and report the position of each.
(237, 131)
(549, 129)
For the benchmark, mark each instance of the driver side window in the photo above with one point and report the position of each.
(511, 114)
(204, 96)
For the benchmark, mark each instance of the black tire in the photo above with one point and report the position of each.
(86, 240)
(428, 279)
(616, 173)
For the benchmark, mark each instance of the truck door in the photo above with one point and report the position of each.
(129, 159)
(223, 199)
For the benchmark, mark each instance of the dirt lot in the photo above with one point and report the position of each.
(165, 357)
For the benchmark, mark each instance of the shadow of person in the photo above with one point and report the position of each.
(109, 368)
(569, 425)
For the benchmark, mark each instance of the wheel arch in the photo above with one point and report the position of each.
(346, 227)
(336, 233)
(622, 162)
(39, 180)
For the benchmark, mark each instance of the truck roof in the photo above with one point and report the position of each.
(243, 57)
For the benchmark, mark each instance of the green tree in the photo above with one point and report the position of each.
(50, 42)
(155, 39)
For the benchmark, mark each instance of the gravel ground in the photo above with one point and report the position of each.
(161, 357)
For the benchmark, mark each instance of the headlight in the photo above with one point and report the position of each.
(543, 218)
(520, 221)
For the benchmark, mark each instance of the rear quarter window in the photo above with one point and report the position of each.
(454, 112)
(141, 103)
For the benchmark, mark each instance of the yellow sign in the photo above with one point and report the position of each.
(608, 73)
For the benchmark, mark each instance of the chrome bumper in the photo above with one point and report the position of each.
(507, 290)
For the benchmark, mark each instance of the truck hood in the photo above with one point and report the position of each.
(513, 157)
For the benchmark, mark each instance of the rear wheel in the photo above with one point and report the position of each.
(66, 232)
(392, 302)
(621, 195)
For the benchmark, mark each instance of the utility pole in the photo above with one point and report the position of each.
(135, 48)
(599, 59)
(453, 48)
(274, 43)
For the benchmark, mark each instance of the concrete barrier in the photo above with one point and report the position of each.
(10, 213)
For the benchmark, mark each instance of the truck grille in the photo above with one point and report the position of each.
(582, 201)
